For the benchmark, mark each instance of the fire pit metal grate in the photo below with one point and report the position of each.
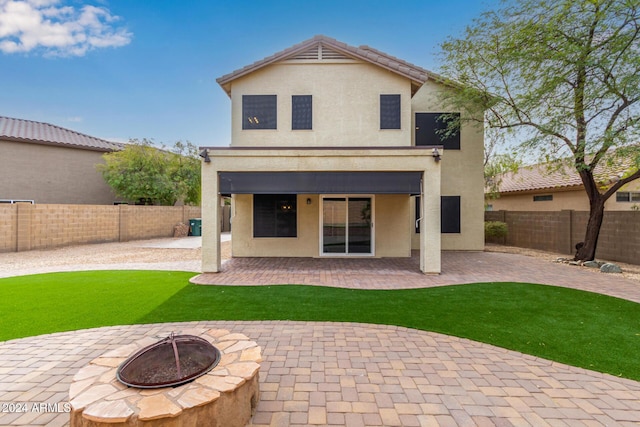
(175, 360)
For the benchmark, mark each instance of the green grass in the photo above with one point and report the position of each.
(578, 328)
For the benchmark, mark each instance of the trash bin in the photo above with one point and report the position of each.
(195, 224)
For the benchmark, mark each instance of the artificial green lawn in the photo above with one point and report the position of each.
(578, 328)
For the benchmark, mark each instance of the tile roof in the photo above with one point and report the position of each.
(416, 74)
(548, 176)
(44, 133)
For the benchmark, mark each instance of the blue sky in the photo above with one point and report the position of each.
(124, 69)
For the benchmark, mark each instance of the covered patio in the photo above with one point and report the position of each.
(383, 179)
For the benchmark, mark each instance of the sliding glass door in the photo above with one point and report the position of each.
(347, 226)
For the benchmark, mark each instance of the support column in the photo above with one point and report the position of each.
(430, 236)
(211, 260)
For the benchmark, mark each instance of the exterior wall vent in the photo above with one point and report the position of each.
(318, 53)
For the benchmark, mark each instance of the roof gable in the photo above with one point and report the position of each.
(44, 133)
(321, 48)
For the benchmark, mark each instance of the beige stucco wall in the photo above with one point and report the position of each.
(574, 199)
(346, 105)
(244, 244)
(346, 116)
(392, 230)
(392, 237)
(392, 212)
(48, 174)
(462, 173)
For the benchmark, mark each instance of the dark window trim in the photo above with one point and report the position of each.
(271, 220)
(252, 104)
(450, 210)
(390, 111)
(301, 112)
(543, 198)
(432, 134)
(627, 196)
(450, 215)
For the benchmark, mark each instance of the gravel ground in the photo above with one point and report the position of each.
(170, 254)
(630, 271)
(156, 254)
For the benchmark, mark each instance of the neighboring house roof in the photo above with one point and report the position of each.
(547, 176)
(20, 130)
(320, 47)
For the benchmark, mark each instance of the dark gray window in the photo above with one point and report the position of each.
(628, 196)
(301, 112)
(274, 215)
(389, 111)
(259, 111)
(431, 129)
(449, 214)
(543, 198)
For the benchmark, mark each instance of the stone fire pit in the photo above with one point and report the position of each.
(224, 397)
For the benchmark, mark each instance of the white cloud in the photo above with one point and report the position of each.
(57, 30)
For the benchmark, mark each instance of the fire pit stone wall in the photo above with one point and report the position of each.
(226, 396)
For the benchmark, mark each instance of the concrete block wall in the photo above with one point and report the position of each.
(560, 231)
(62, 225)
(142, 221)
(8, 222)
(26, 227)
(619, 236)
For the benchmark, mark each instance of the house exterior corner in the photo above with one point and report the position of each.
(336, 152)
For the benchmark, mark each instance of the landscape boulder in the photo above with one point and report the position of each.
(592, 264)
(610, 268)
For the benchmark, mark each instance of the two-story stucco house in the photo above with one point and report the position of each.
(336, 152)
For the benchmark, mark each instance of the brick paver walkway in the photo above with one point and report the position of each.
(404, 273)
(360, 375)
(349, 375)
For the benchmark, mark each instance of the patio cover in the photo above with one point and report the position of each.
(320, 182)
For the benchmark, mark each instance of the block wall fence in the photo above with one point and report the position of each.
(25, 227)
(560, 231)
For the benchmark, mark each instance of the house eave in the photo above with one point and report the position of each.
(417, 75)
(57, 144)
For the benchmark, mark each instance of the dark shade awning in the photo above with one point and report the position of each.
(320, 182)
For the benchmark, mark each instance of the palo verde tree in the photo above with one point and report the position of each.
(562, 77)
(141, 171)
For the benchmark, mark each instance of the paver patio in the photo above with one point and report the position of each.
(361, 375)
(404, 273)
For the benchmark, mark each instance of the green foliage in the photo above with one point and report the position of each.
(568, 72)
(142, 171)
(495, 229)
(529, 318)
(559, 79)
(494, 168)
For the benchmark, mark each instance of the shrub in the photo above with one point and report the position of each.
(495, 229)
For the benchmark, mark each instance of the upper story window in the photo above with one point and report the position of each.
(431, 129)
(543, 198)
(301, 112)
(628, 196)
(259, 111)
(389, 111)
